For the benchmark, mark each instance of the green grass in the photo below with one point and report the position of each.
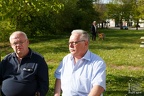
(120, 50)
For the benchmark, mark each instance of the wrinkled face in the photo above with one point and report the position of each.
(19, 43)
(77, 47)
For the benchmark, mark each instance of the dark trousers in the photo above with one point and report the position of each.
(93, 37)
(5, 95)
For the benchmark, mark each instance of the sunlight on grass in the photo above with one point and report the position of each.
(120, 50)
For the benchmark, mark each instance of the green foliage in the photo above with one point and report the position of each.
(29, 15)
(43, 17)
(123, 9)
(85, 14)
(140, 8)
(126, 9)
(4, 34)
(73, 16)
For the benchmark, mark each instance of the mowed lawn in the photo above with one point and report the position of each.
(120, 50)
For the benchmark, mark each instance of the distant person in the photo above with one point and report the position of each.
(23, 72)
(80, 73)
(94, 30)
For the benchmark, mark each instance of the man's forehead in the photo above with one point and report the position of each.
(74, 37)
(15, 37)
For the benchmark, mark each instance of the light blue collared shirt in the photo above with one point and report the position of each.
(78, 79)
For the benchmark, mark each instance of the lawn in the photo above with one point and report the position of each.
(120, 50)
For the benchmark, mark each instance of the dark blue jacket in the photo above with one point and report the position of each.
(93, 30)
(26, 78)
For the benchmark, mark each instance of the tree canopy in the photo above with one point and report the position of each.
(42, 17)
(127, 10)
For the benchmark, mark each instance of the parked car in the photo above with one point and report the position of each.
(125, 27)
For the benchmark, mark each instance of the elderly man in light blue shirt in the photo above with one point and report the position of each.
(80, 73)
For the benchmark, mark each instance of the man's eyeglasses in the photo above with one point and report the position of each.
(74, 43)
(20, 43)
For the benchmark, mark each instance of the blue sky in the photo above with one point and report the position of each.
(105, 1)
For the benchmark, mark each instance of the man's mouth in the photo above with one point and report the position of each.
(72, 49)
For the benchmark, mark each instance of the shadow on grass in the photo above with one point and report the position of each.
(124, 86)
(106, 93)
(44, 49)
(38, 39)
(107, 47)
(120, 86)
(119, 37)
(122, 93)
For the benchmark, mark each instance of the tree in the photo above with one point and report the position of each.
(138, 13)
(124, 9)
(42, 17)
(29, 15)
(101, 13)
(87, 13)
(140, 8)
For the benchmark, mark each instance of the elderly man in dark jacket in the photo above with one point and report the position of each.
(94, 30)
(23, 72)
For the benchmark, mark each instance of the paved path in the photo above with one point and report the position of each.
(141, 28)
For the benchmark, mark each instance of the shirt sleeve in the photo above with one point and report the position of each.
(58, 71)
(100, 74)
(0, 73)
(43, 79)
(2, 68)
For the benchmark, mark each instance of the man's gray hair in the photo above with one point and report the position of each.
(18, 32)
(83, 34)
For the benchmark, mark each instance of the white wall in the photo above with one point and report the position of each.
(111, 22)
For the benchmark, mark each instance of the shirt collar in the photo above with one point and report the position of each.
(86, 56)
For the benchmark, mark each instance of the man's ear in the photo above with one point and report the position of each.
(27, 41)
(86, 43)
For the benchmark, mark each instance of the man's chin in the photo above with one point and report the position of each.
(72, 52)
(19, 52)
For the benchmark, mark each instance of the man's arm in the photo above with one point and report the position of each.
(96, 91)
(57, 89)
(1, 73)
(43, 78)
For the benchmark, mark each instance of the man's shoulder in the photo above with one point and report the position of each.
(68, 56)
(8, 58)
(9, 55)
(34, 53)
(36, 57)
(94, 56)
